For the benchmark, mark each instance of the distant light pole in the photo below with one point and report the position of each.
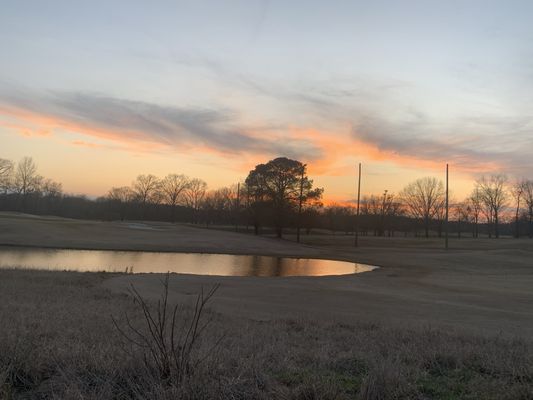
(356, 227)
(447, 204)
(382, 228)
(300, 203)
(237, 206)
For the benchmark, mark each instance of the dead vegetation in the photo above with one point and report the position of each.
(57, 340)
(171, 336)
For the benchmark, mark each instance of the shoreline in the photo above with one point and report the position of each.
(325, 257)
(484, 286)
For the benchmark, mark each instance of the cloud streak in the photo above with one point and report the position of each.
(387, 125)
(408, 136)
(471, 145)
(141, 122)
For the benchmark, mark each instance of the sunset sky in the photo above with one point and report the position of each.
(98, 92)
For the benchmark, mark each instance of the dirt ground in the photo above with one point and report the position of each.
(484, 286)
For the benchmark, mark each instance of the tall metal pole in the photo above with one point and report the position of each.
(356, 228)
(447, 204)
(300, 204)
(382, 227)
(237, 206)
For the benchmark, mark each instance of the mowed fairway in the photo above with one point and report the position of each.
(482, 286)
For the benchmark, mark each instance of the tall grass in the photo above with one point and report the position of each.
(57, 340)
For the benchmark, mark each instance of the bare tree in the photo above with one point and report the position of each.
(475, 206)
(173, 187)
(423, 198)
(339, 218)
(26, 179)
(218, 204)
(121, 196)
(494, 197)
(51, 188)
(394, 209)
(440, 214)
(194, 194)
(379, 209)
(6, 174)
(147, 191)
(462, 213)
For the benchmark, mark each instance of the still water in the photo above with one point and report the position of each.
(185, 263)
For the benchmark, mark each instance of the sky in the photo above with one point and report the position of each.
(99, 92)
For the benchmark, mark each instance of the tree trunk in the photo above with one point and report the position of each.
(173, 213)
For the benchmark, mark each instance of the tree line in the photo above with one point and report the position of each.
(278, 196)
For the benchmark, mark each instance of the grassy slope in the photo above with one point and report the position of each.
(57, 340)
(483, 285)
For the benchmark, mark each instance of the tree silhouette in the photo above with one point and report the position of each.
(147, 190)
(475, 206)
(26, 179)
(281, 185)
(194, 195)
(173, 187)
(494, 197)
(121, 196)
(424, 198)
(6, 174)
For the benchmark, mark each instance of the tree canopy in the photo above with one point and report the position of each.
(282, 185)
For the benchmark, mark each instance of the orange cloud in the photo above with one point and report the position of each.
(339, 149)
(337, 146)
(33, 124)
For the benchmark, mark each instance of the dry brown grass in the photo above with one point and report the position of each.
(57, 340)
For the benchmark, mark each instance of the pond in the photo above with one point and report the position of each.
(184, 263)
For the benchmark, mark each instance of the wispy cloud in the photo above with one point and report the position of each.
(135, 121)
(475, 145)
(384, 123)
(373, 125)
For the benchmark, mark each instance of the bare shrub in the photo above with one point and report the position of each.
(170, 338)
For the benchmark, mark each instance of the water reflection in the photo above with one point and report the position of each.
(186, 263)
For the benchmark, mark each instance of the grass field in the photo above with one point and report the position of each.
(58, 341)
(428, 324)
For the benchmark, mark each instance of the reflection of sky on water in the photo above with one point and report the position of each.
(187, 263)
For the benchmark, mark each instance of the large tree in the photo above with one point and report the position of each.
(283, 186)
(380, 211)
(194, 195)
(493, 194)
(424, 198)
(218, 204)
(51, 188)
(173, 187)
(6, 174)
(147, 190)
(26, 179)
(475, 205)
(121, 197)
